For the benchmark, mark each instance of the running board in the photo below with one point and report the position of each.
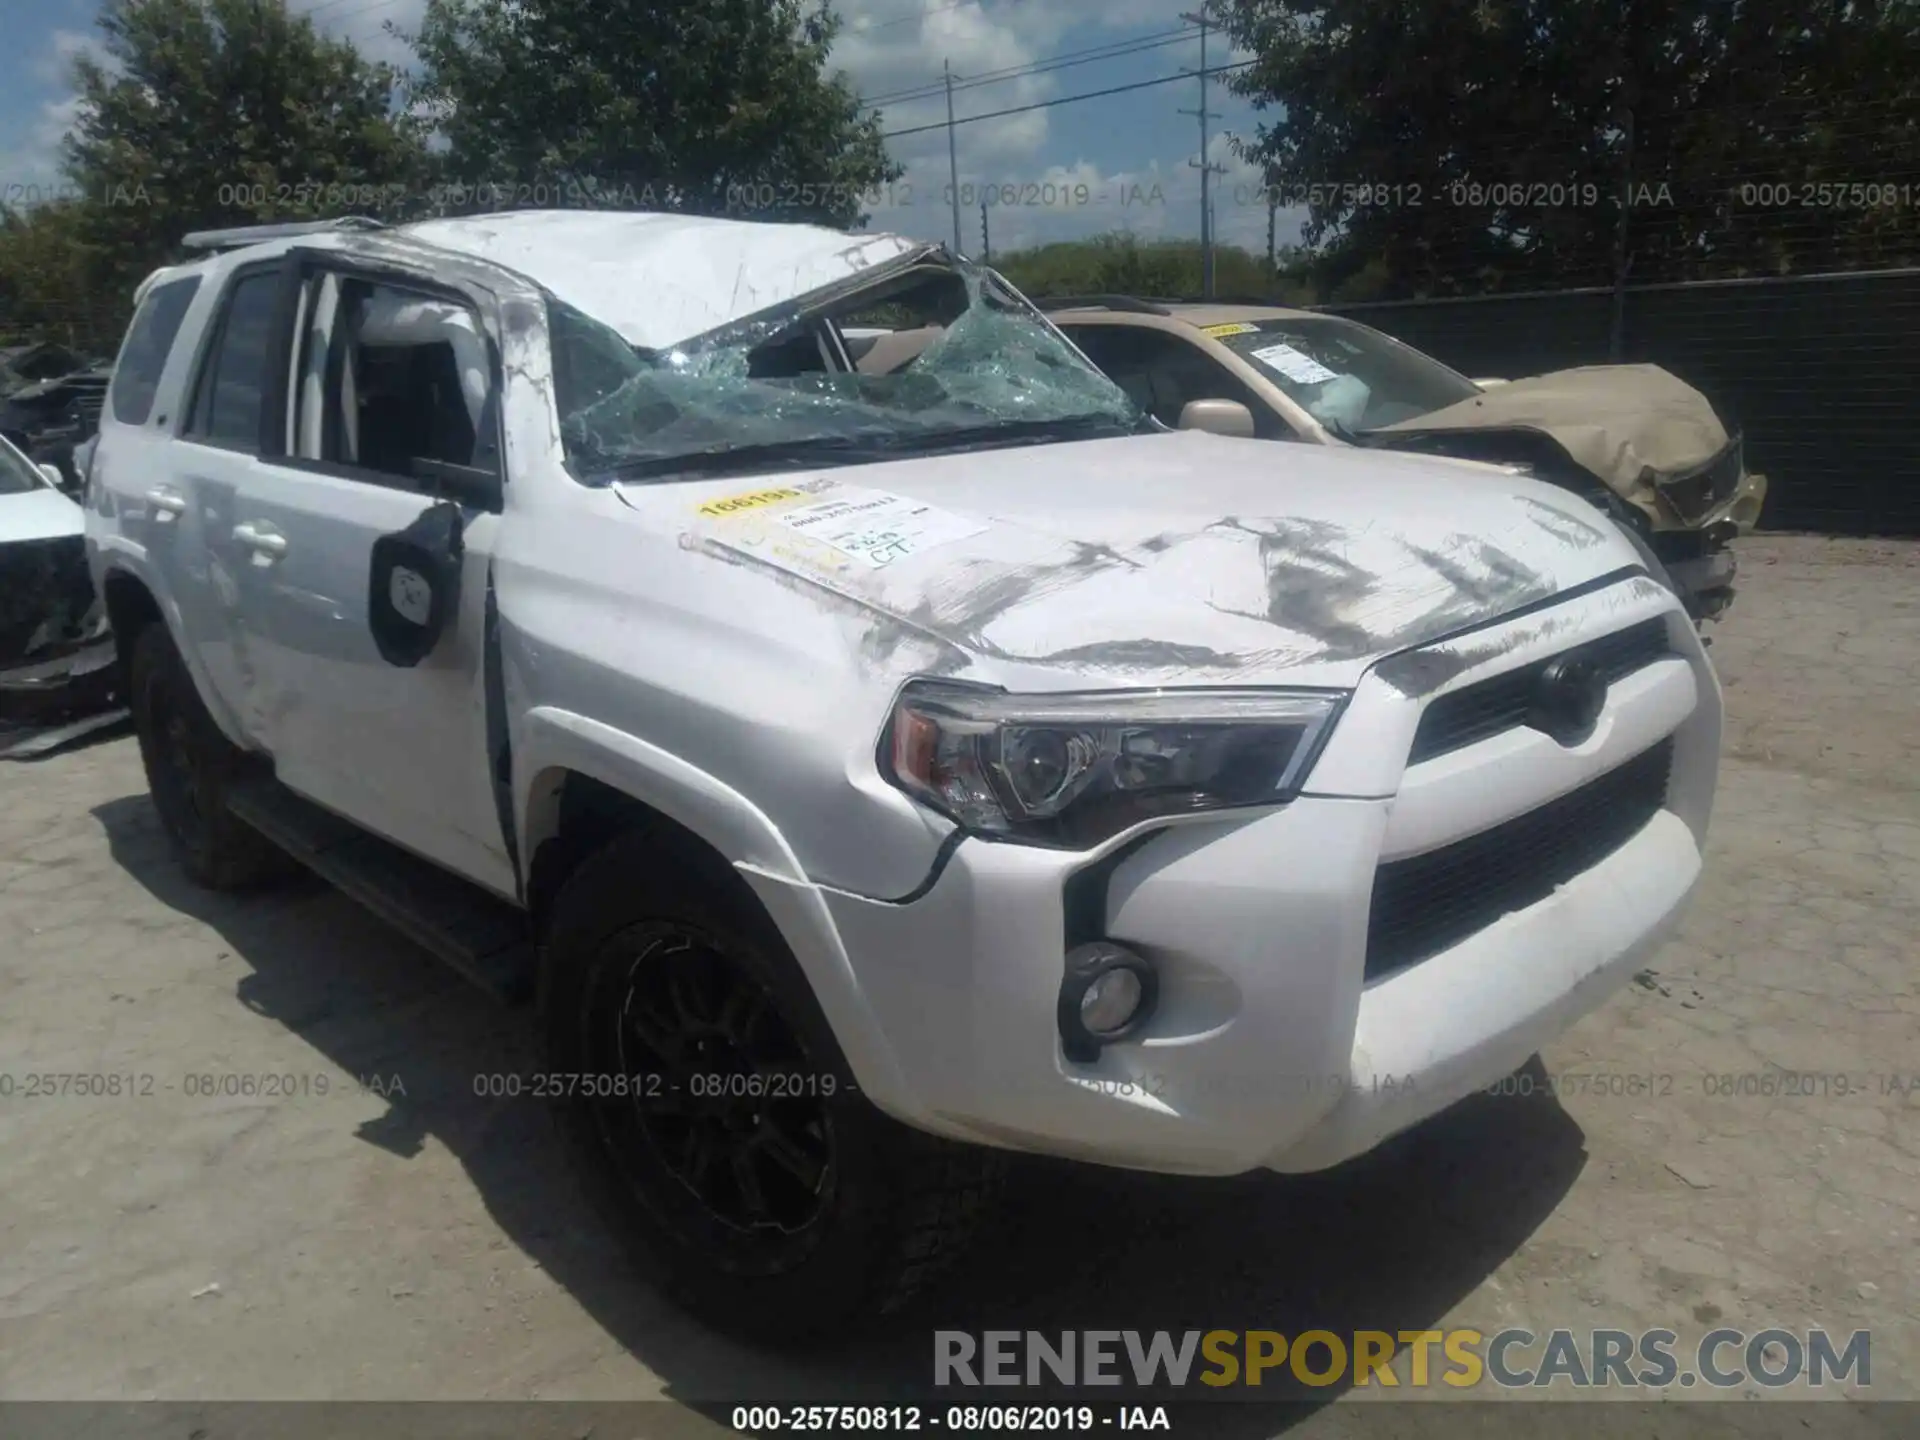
(477, 933)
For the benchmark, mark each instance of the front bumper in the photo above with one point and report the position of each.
(1271, 1046)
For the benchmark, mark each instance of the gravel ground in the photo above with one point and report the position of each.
(398, 1237)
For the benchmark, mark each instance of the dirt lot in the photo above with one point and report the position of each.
(425, 1243)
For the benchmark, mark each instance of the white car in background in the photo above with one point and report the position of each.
(55, 653)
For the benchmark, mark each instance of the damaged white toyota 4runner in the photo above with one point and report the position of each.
(875, 763)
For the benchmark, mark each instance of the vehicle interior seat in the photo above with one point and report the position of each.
(896, 350)
(420, 369)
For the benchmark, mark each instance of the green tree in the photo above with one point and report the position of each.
(1462, 145)
(46, 280)
(715, 106)
(227, 112)
(1123, 264)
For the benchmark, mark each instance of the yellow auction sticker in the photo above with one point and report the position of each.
(1234, 327)
(751, 500)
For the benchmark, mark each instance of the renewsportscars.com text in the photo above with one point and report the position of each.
(1509, 1359)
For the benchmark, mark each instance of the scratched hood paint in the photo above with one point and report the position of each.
(1157, 559)
(661, 278)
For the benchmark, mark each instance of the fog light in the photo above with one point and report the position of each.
(1106, 995)
(1110, 1001)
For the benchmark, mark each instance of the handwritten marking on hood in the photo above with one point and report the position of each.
(878, 527)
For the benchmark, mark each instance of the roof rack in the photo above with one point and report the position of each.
(239, 236)
(1128, 303)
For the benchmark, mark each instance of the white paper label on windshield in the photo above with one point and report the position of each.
(1300, 368)
(877, 527)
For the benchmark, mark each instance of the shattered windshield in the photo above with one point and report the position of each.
(934, 354)
(1344, 375)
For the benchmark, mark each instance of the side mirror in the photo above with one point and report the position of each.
(1218, 417)
(413, 590)
(52, 475)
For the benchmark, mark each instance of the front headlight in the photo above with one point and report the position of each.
(1072, 770)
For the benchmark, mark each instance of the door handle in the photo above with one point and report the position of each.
(166, 500)
(261, 538)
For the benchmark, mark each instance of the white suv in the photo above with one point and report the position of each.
(875, 760)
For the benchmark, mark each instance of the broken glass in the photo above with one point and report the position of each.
(787, 379)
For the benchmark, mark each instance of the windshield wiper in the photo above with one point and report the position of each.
(824, 450)
(805, 454)
(998, 433)
(1340, 432)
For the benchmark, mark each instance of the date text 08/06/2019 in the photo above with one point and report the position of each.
(958, 1419)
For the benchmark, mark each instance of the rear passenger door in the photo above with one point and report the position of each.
(189, 498)
(389, 407)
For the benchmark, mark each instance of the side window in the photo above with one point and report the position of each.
(226, 409)
(136, 375)
(1162, 372)
(394, 381)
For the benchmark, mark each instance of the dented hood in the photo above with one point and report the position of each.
(1148, 560)
(661, 278)
(1628, 425)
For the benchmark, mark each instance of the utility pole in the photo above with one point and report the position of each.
(986, 240)
(1207, 168)
(953, 156)
(1273, 255)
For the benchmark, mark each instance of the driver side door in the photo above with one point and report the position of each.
(389, 420)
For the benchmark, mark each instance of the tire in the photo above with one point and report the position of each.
(190, 766)
(656, 974)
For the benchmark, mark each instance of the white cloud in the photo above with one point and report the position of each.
(884, 56)
(364, 22)
(1027, 206)
(887, 47)
(30, 166)
(54, 68)
(30, 157)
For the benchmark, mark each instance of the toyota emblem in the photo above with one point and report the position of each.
(1568, 699)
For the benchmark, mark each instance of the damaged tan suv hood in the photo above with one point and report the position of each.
(1631, 426)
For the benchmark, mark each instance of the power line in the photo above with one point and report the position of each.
(1066, 100)
(1113, 50)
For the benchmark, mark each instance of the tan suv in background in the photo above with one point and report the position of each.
(1634, 439)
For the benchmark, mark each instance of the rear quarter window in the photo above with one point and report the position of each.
(136, 376)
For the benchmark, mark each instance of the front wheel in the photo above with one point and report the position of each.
(715, 1121)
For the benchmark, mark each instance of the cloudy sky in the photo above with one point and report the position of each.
(1118, 162)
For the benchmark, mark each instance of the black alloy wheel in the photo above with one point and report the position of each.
(720, 1092)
